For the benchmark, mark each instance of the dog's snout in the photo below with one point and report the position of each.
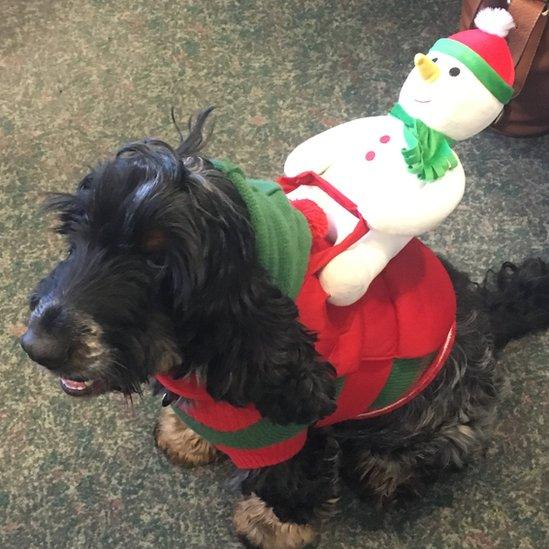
(44, 348)
(47, 340)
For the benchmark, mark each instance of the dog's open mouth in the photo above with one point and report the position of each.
(79, 386)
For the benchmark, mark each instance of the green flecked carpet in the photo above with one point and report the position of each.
(77, 78)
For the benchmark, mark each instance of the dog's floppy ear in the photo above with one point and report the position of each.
(268, 358)
(243, 337)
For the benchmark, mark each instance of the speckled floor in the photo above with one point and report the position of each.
(79, 77)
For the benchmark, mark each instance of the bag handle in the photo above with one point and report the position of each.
(531, 16)
(524, 41)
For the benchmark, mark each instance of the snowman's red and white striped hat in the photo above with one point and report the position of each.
(485, 51)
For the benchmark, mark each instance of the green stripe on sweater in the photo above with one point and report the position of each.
(260, 434)
(405, 372)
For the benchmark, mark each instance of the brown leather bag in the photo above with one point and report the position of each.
(528, 111)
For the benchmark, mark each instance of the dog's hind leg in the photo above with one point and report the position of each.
(394, 456)
(181, 445)
(284, 504)
(383, 475)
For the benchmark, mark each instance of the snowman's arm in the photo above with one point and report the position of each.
(393, 220)
(346, 278)
(318, 152)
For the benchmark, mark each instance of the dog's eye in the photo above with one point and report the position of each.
(70, 252)
(34, 300)
(155, 262)
(85, 183)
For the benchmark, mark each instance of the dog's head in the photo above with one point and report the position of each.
(148, 233)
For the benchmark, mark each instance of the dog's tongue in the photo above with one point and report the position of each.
(75, 385)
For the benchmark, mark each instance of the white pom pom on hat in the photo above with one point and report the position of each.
(496, 21)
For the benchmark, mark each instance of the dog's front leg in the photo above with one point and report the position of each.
(181, 445)
(284, 504)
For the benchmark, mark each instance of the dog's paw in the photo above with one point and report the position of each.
(257, 526)
(181, 445)
(305, 396)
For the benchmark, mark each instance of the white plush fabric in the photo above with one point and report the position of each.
(390, 198)
(347, 277)
(363, 159)
(457, 106)
(496, 21)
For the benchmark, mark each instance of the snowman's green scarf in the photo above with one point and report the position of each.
(429, 154)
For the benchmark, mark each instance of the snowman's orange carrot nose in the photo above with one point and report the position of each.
(428, 69)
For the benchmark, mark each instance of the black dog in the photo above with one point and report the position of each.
(161, 275)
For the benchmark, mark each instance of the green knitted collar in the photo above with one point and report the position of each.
(429, 154)
(282, 235)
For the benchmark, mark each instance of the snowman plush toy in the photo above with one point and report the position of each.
(400, 169)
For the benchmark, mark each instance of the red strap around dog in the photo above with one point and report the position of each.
(321, 259)
(289, 184)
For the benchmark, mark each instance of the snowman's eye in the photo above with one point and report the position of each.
(454, 71)
(434, 59)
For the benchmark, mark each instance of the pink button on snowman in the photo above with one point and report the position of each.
(370, 155)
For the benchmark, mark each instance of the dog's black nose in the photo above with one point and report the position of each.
(46, 349)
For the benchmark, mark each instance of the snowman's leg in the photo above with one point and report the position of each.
(347, 277)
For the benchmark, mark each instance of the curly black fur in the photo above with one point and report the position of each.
(162, 274)
(304, 488)
(158, 237)
(517, 299)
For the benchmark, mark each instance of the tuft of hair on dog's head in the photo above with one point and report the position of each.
(151, 234)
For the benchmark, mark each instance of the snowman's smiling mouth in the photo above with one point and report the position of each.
(423, 101)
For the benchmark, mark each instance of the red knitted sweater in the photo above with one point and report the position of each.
(386, 347)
